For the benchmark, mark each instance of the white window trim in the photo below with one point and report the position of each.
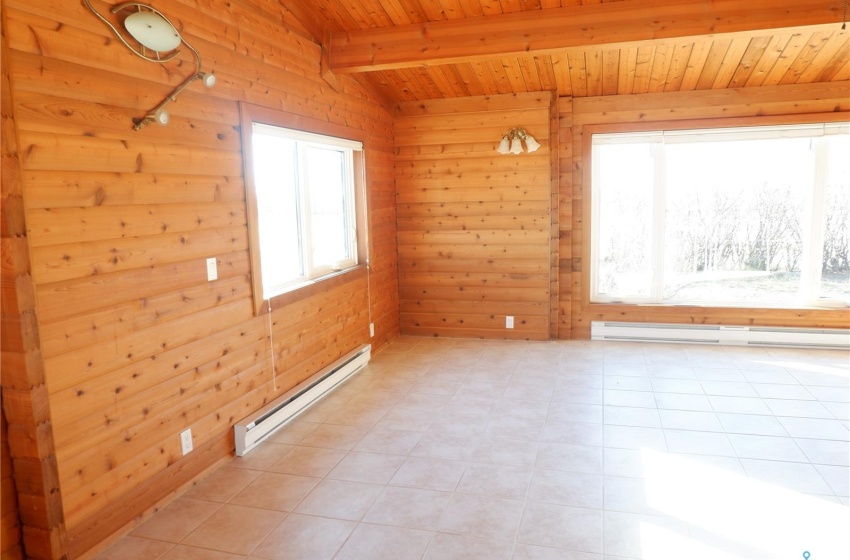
(815, 211)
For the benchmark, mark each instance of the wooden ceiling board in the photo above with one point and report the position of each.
(491, 7)
(610, 71)
(660, 68)
(428, 10)
(546, 72)
(528, 70)
(466, 75)
(771, 54)
(457, 78)
(748, 61)
(560, 67)
(716, 53)
(730, 62)
(693, 63)
(843, 73)
(642, 69)
(822, 59)
(514, 75)
(471, 8)
(786, 59)
(626, 75)
(448, 80)
(394, 84)
(451, 9)
(804, 60)
(678, 66)
(841, 59)
(592, 67)
(334, 12)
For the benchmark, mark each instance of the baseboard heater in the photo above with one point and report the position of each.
(252, 430)
(838, 339)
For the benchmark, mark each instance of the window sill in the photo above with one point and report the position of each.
(303, 290)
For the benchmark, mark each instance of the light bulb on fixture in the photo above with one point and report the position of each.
(504, 146)
(208, 79)
(532, 144)
(161, 117)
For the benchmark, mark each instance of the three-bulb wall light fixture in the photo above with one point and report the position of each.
(157, 40)
(512, 142)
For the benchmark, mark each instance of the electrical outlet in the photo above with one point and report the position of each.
(186, 440)
(371, 329)
(212, 269)
(509, 322)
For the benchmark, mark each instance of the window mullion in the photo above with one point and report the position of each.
(306, 214)
(349, 205)
(811, 271)
(659, 210)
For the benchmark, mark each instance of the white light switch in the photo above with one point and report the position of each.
(212, 269)
(509, 322)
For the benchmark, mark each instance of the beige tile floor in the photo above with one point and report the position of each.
(462, 449)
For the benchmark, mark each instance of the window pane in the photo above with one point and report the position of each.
(275, 180)
(624, 249)
(734, 219)
(835, 279)
(327, 178)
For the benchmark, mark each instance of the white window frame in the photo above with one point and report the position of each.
(338, 137)
(810, 276)
(303, 141)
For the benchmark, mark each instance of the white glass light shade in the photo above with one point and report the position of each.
(208, 79)
(516, 145)
(152, 31)
(504, 147)
(531, 143)
(161, 117)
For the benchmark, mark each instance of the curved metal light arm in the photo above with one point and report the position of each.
(209, 79)
(136, 51)
(139, 123)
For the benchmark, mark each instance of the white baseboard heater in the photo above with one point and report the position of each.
(252, 430)
(838, 339)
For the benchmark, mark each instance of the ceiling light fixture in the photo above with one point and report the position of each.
(512, 142)
(157, 40)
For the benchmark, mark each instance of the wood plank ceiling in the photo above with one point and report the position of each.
(694, 63)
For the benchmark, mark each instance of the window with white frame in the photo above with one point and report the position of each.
(303, 187)
(756, 216)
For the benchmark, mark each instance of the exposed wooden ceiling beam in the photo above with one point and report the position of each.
(611, 24)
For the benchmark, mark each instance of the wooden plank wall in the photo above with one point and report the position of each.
(473, 225)
(26, 410)
(566, 237)
(733, 107)
(137, 345)
(10, 519)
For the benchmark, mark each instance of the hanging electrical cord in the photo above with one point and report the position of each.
(271, 345)
(367, 243)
